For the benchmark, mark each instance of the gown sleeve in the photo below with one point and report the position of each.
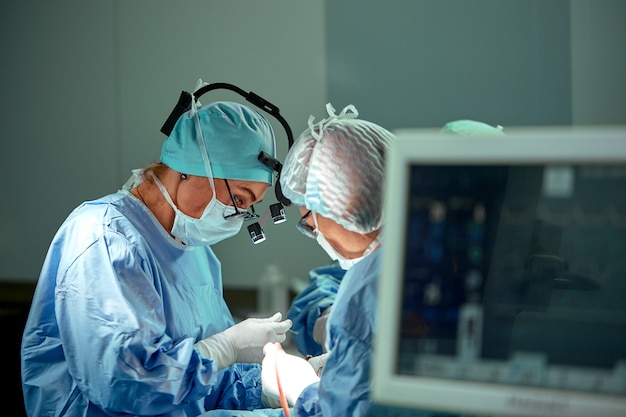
(310, 303)
(112, 326)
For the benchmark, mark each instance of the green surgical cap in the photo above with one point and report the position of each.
(234, 136)
(471, 128)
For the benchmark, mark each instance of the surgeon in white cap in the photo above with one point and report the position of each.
(334, 174)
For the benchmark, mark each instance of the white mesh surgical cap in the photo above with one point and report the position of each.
(336, 169)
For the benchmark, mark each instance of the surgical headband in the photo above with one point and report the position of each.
(233, 134)
(336, 169)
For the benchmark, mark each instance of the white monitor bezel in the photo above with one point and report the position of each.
(520, 146)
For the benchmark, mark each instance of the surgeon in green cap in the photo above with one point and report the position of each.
(128, 317)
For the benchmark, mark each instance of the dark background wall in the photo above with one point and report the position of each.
(424, 63)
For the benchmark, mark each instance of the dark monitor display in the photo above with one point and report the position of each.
(504, 284)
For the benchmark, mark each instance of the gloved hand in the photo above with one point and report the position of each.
(295, 373)
(319, 328)
(244, 341)
(318, 362)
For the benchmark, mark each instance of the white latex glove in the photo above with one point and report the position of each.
(244, 341)
(295, 373)
(319, 328)
(318, 362)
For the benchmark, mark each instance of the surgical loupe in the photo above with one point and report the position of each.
(277, 214)
(275, 211)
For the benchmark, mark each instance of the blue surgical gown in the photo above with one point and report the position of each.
(117, 309)
(310, 303)
(345, 385)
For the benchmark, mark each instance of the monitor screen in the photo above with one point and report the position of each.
(503, 290)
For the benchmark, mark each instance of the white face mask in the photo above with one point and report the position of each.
(209, 229)
(344, 263)
(212, 227)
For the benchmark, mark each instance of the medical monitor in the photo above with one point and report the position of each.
(503, 290)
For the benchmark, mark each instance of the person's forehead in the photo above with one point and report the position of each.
(254, 189)
(253, 185)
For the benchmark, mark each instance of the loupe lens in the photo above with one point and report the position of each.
(278, 213)
(256, 233)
